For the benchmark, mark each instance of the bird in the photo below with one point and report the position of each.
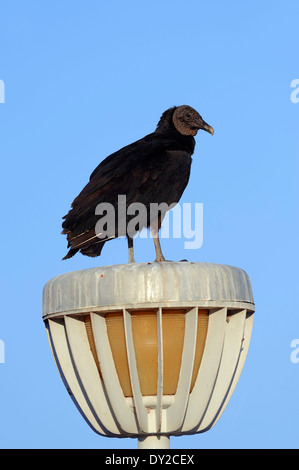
(151, 172)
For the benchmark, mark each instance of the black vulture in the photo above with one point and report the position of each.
(152, 172)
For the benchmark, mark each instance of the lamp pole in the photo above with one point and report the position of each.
(153, 442)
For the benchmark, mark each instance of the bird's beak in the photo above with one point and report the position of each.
(201, 124)
(207, 128)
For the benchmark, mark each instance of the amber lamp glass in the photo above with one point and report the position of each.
(145, 337)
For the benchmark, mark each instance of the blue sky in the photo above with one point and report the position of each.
(83, 79)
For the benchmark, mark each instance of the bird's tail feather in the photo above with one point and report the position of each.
(71, 253)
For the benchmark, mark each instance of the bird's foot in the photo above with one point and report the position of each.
(159, 259)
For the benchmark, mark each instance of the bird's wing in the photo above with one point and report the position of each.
(121, 173)
(133, 171)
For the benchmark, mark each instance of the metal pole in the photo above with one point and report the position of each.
(153, 442)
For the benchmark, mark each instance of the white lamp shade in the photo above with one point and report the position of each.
(150, 349)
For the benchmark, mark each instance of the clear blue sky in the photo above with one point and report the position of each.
(83, 79)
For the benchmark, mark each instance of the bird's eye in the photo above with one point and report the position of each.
(188, 115)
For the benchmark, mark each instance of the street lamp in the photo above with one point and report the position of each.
(150, 350)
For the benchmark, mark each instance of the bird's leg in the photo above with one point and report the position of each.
(131, 250)
(155, 235)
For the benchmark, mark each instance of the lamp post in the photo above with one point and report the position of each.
(150, 350)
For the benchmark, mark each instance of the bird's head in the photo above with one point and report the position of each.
(187, 121)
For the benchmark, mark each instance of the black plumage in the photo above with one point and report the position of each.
(154, 169)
